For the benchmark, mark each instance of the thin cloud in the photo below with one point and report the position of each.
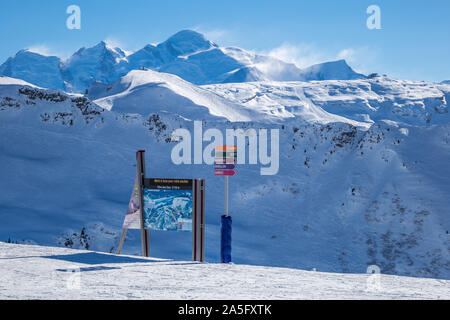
(362, 59)
(43, 50)
(113, 42)
(49, 51)
(215, 35)
(303, 55)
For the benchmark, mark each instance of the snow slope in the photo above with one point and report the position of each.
(148, 91)
(144, 92)
(7, 81)
(35, 272)
(186, 54)
(364, 100)
(345, 196)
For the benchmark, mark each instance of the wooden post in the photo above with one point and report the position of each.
(198, 220)
(226, 196)
(140, 157)
(194, 220)
(122, 240)
(202, 220)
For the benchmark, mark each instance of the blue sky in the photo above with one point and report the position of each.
(412, 44)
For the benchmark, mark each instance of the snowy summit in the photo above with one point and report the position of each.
(187, 54)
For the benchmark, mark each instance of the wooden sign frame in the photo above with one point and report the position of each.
(198, 213)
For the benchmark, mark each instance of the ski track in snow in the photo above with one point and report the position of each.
(36, 272)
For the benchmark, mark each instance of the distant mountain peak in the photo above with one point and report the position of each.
(27, 51)
(341, 61)
(188, 35)
(187, 41)
(100, 47)
(187, 54)
(33, 52)
(331, 70)
(102, 43)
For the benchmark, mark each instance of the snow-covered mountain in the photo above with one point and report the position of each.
(99, 63)
(363, 100)
(335, 70)
(44, 71)
(363, 176)
(186, 54)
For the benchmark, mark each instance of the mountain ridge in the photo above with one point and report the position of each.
(187, 54)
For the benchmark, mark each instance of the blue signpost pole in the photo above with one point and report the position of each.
(225, 241)
(224, 164)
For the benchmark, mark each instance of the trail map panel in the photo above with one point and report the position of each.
(168, 204)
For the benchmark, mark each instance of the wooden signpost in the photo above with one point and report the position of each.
(224, 165)
(134, 219)
(145, 241)
(140, 211)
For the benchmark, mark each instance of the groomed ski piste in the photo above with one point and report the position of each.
(38, 272)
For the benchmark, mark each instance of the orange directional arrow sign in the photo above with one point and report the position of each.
(226, 148)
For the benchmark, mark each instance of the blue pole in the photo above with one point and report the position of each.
(225, 240)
